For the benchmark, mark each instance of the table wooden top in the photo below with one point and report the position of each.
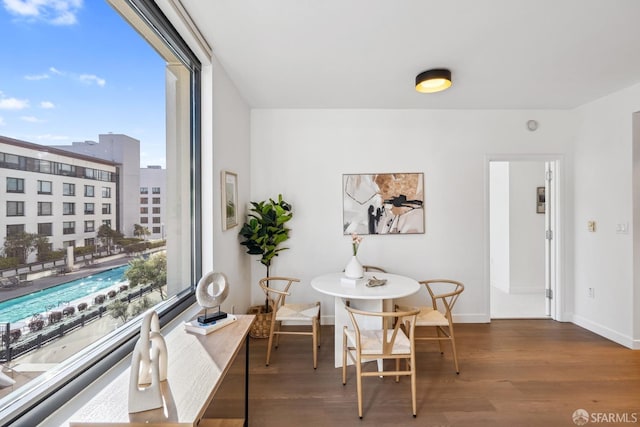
(197, 365)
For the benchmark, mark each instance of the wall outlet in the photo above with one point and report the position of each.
(592, 293)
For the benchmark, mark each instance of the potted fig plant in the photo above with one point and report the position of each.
(264, 232)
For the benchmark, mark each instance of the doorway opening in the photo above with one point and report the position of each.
(522, 219)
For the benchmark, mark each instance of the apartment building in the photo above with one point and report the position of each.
(63, 196)
(153, 200)
(125, 152)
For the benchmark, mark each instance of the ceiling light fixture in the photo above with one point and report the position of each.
(435, 80)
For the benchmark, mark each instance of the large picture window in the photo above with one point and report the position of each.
(37, 394)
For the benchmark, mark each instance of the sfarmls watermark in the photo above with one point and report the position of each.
(582, 417)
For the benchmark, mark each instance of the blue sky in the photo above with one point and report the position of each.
(74, 69)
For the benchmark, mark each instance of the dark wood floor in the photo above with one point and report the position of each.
(512, 373)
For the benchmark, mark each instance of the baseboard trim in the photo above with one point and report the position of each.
(606, 332)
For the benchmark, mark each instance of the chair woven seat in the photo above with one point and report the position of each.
(295, 312)
(430, 317)
(444, 294)
(371, 341)
(277, 290)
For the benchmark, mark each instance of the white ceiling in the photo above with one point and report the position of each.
(504, 54)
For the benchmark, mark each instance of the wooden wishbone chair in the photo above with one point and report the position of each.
(444, 294)
(388, 342)
(373, 268)
(277, 290)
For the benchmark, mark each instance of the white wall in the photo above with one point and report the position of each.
(603, 193)
(303, 154)
(230, 152)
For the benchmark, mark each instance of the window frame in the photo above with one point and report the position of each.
(48, 233)
(19, 185)
(19, 208)
(36, 401)
(68, 227)
(92, 211)
(41, 183)
(11, 226)
(89, 226)
(41, 205)
(68, 208)
(68, 189)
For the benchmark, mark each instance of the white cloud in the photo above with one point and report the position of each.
(47, 105)
(2, 122)
(13, 104)
(56, 12)
(31, 119)
(37, 77)
(88, 79)
(91, 78)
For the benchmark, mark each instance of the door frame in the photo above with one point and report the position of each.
(555, 197)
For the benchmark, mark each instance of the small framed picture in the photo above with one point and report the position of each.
(540, 200)
(229, 200)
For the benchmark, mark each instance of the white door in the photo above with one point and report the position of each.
(521, 223)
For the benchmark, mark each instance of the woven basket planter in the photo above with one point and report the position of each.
(262, 324)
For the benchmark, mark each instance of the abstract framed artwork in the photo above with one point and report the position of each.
(229, 200)
(383, 203)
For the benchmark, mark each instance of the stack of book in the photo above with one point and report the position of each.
(206, 328)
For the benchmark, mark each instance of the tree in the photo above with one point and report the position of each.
(107, 235)
(141, 306)
(119, 310)
(152, 271)
(141, 231)
(137, 272)
(20, 245)
(43, 247)
(158, 266)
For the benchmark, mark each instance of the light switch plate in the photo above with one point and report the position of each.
(591, 226)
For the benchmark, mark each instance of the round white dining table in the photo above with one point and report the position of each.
(361, 296)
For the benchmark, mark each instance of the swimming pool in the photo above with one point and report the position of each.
(23, 307)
